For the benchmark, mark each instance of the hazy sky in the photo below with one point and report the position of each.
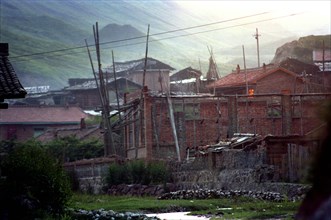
(306, 15)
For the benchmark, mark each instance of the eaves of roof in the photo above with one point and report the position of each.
(238, 79)
(10, 86)
(40, 123)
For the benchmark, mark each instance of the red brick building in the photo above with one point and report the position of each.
(26, 122)
(207, 119)
(290, 76)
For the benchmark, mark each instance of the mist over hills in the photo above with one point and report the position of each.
(47, 38)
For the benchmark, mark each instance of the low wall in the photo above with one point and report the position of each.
(90, 173)
(229, 169)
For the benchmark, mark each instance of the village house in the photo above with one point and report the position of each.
(22, 123)
(85, 92)
(157, 131)
(81, 132)
(187, 80)
(157, 74)
(269, 79)
(290, 76)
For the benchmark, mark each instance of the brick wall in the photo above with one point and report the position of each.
(203, 121)
(280, 81)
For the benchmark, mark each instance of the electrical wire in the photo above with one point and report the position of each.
(139, 37)
(154, 40)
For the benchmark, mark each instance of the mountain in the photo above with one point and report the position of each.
(47, 38)
(302, 49)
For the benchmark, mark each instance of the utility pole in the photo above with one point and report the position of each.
(142, 135)
(245, 70)
(256, 35)
(116, 88)
(108, 136)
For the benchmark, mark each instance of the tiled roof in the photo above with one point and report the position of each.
(253, 75)
(77, 132)
(10, 86)
(42, 115)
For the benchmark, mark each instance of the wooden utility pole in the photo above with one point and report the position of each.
(116, 89)
(142, 105)
(256, 35)
(245, 70)
(146, 57)
(108, 135)
(95, 76)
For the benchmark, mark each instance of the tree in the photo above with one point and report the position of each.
(34, 183)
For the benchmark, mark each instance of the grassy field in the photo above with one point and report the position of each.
(238, 208)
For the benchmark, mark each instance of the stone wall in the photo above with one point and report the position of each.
(90, 173)
(229, 169)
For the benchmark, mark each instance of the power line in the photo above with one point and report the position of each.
(139, 37)
(155, 40)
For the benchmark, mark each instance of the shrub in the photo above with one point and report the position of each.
(34, 183)
(117, 174)
(70, 148)
(137, 172)
(158, 172)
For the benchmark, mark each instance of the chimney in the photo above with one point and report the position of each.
(4, 51)
(264, 68)
(238, 68)
(82, 123)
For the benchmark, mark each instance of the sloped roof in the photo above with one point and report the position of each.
(298, 67)
(136, 65)
(10, 86)
(42, 115)
(253, 75)
(78, 132)
(186, 73)
(91, 84)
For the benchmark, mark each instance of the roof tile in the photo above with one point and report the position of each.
(42, 114)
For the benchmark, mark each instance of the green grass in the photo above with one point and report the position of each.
(238, 208)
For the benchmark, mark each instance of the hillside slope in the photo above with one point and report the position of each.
(302, 49)
(47, 38)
